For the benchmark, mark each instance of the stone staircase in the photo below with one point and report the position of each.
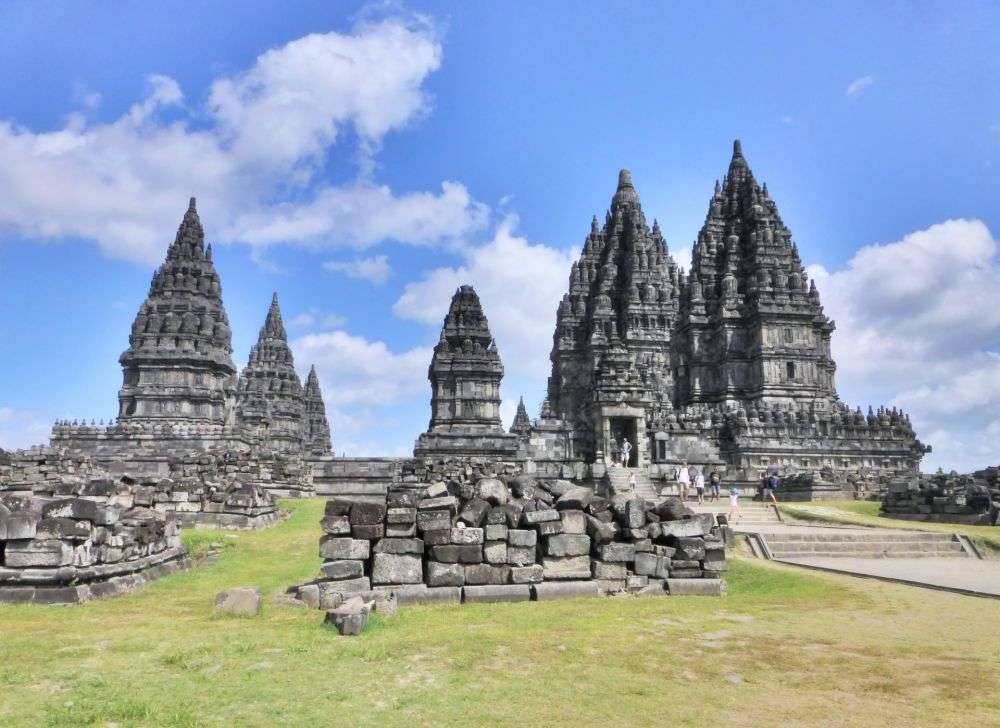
(863, 544)
(754, 514)
(617, 481)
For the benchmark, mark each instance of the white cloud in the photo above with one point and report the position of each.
(858, 85)
(314, 317)
(374, 270)
(302, 320)
(914, 327)
(252, 155)
(20, 429)
(520, 286)
(358, 372)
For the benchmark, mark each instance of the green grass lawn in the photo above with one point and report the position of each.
(786, 648)
(866, 513)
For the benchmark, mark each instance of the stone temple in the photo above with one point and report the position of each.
(181, 396)
(727, 365)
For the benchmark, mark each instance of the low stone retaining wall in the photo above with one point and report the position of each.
(469, 533)
(59, 549)
(967, 499)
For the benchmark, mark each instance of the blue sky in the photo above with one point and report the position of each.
(364, 160)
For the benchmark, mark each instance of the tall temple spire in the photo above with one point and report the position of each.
(317, 435)
(270, 399)
(465, 375)
(521, 425)
(178, 367)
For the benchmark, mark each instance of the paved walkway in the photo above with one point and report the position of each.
(970, 576)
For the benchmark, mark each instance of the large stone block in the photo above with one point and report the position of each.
(78, 508)
(495, 552)
(616, 552)
(493, 491)
(338, 507)
(474, 512)
(439, 574)
(400, 546)
(336, 525)
(549, 528)
(635, 513)
(646, 563)
(445, 503)
(689, 527)
(401, 515)
(497, 593)
(521, 555)
(522, 537)
(566, 567)
(368, 531)
(531, 518)
(604, 571)
(330, 591)
(434, 520)
(467, 536)
(690, 548)
(435, 595)
(526, 574)
(437, 538)
(21, 525)
(367, 514)
(567, 545)
(575, 499)
(392, 568)
(37, 553)
(486, 574)
(573, 521)
(497, 532)
(600, 531)
(400, 530)
(458, 554)
(332, 547)
(565, 590)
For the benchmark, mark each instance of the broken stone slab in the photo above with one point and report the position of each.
(351, 617)
(401, 515)
(19, 525)
(397, 569)
(335, 591)
(565, 590)
(445, 503)
(364, 513)
(434, 520)
(531, 518)
(606, 571)
(243, 601)
(429, 595)
(491, 594)
(616, 552)
(333, 547)
(495, 552)
(37, 553)
(493, 491)
(497, 532)
(600, 531)
(336, 525)
(575, 499)
(458, 554)
(486, 574)
(689, 527)
(343, 569)
(474, 512)
(467, 536)
(521, 555)
(309, 595)
(696, 587)
(550, 528)
(573, 521)
(400, 546)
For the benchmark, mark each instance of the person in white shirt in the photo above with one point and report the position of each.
(626, 451)
(699, 486)
(683, 480)
(735, 511)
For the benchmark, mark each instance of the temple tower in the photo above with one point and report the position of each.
(753, 330)
(521, 425)
(317, 428)
(178, 368)
(612, 371)
(269, 400)
(465, 375)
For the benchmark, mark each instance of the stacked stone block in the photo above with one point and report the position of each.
(971, 499)
(96, 542)
(477, 537)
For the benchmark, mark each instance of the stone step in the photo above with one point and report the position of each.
(793, 547)
(857, 537)
(873, 554)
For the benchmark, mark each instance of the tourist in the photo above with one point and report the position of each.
(699, 486)
(626, 451)
(631, 482)
(715, 484)
(683, 478)
(769, 486)
(735, 511)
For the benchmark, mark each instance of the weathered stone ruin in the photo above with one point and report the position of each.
(971, 499)
(475, 531)
(181, 396)
(206, 491)
(726, 366)
(73, 537)
(465, 375)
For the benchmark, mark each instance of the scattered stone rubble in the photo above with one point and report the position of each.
(469, 534)
(970, 499)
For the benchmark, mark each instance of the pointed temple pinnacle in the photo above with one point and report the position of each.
(737, 148)
(193, 205)
(624, 179)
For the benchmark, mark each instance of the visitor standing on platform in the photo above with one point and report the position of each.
(735, 511)
(771, 483)
(626, 451)
(699, 486)
(683, 478)
(715, 485)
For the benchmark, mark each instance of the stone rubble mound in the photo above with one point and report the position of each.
(465, 535)
(953, 498)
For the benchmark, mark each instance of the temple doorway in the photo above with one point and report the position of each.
(621, 428)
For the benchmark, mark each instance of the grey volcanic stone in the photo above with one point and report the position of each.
(518, 537)
(451, 553)
(467, 536)
(331, 547)
(565, 590)
(390, 568)
(486, 574)
(241, 601)
(526, 574)
(343, 569)
(696, 587)
(567, 545)
(497, 593)
(530, 518)
(493, 491)
(691, 527)
(616, 552)
(439, 574)
(566, 567)
(575, 499)
(400, 546)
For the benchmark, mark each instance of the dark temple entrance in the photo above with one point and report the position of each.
(621, 428)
